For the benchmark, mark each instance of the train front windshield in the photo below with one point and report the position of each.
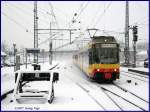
(106, 54)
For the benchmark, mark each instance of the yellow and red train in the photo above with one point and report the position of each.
(100, 58)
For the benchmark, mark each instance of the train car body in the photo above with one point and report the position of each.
(100, 58)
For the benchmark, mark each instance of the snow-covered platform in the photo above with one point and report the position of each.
(8, 78)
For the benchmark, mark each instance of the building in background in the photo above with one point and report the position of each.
(3, 58)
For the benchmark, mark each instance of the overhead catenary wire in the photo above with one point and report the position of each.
(135, 23)
(19, 24)
(18, 9)
(61, 12)
(139, 22)
(107, 31)
(75, 19)
(97, 11)
(82, 10)
(105, 8)
(52, 10)
(66, 44)
(45, 41)
(139, 4)
(54, 16)
(102, 14)
(27, 12)
(75, 15)
(56, 20)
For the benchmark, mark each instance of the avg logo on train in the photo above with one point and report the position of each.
(99, 59)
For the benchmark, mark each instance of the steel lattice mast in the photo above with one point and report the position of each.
(35, 32)
(126, 49)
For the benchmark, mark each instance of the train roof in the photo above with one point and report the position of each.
(98, 39)
(104, 39)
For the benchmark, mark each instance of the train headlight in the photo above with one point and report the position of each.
(115, 70)
(98, 70)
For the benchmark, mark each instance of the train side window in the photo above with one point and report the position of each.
(95, 56)
(76, 57)
(90, 57)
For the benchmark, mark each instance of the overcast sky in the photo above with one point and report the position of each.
(17, 20)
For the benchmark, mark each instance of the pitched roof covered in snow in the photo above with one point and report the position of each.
(3, 54)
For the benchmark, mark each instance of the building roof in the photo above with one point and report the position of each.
(3, 54)
(142, 53)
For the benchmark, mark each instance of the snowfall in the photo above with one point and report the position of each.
(75, 91)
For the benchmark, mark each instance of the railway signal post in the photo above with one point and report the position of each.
(135, 38)
(15, 50)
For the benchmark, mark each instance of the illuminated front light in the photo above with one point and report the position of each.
(98, 70)
(115, 70)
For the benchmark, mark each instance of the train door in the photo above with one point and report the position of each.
(90, 56)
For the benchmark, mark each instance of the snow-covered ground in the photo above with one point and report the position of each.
(74, 91)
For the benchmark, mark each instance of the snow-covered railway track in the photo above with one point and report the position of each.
(95, 100)
(122, 99)
(94, 93)
(130, 92)
(125, 95)
(87, 91)
(135, 76)
(115, 102)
